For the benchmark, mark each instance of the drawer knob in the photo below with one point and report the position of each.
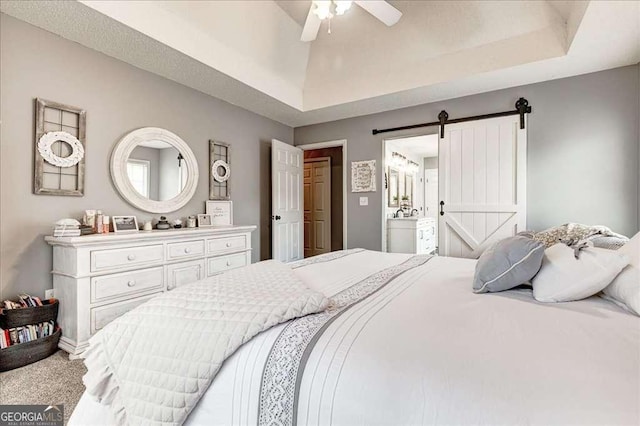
(131, 283)
(131, 257)
(228, 244)
(228, 263)
(187, 250)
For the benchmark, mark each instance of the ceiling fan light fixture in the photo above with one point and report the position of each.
(342, 6)
(322, 9)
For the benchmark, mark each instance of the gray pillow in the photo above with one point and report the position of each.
(507, 264)
(609, 243)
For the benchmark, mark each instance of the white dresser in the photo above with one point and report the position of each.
(97, 278)
(411, 235)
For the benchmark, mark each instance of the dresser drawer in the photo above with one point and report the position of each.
(224, 263)
(226, 244)
(126, 283)
(124, 257)
(184, 273)
(103, 315)
(186, 249)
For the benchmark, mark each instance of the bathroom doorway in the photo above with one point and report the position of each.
(410, 200)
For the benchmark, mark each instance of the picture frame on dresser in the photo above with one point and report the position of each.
(204, 221)
(125, 224)
(221, 212)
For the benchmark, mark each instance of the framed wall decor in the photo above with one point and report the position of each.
(363, 176)
(59, 149)
(125, 224)
(219, 170)
(221, 212)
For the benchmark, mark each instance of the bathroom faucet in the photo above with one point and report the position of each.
(414, 210)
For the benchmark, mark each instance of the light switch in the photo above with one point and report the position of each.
(364, 201)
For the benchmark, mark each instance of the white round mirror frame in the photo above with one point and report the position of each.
(121, 181)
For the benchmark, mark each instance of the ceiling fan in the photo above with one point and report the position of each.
(321, 10)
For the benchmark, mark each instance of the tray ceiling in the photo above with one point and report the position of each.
(249, 53)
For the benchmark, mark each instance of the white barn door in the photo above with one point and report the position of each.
(482, 184)
(286, 202)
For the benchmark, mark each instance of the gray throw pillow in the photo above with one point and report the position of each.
(609, 243)
(507, 264)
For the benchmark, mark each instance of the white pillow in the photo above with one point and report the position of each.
(625, 288)
(563, 278)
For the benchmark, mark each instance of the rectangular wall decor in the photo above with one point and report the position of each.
(219, 170)
(363, 176)
(59, 149)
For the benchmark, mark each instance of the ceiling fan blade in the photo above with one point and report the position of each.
(311, 26)
(381, 10)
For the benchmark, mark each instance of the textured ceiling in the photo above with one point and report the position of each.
(249, 53)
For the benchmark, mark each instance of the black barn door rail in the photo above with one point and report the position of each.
(522, 108)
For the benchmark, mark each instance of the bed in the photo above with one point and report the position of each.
(415, 346)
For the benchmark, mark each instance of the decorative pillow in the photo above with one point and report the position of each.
(507, 264)
(625, 288)
(574, 273)
(609, 243)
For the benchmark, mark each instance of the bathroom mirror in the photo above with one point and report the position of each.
(408, 187)
(154, 170)
(393, 188)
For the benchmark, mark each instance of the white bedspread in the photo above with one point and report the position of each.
(152, 365)
(421, 348)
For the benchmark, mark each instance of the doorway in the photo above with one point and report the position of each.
(325, 209)
(410, 199)
(317, 204)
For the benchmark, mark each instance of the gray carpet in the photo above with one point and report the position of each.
(54, 380)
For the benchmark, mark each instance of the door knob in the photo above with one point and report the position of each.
(131, 283)
(131, 257)
(276, 217)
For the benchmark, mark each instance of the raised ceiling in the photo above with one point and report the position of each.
(249, 53)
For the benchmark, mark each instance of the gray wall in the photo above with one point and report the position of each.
(583, 143)
(118, 98)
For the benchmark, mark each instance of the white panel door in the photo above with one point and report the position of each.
(286, 202)
(482, 187)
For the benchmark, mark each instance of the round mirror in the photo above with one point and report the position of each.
(154, 170)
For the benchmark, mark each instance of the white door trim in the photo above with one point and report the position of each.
(333, 144)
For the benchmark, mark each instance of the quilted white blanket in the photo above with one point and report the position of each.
(153, 364)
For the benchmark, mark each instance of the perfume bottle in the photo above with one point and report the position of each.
(99, 222)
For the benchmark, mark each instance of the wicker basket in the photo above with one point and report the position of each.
(22, 354)
(11, 318)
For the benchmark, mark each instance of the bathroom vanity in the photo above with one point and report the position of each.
(411, 235)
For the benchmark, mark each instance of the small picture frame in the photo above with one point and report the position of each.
(204, 221)
(125, 224)
(221, 212)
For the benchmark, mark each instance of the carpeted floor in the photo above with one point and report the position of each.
(54, 380)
